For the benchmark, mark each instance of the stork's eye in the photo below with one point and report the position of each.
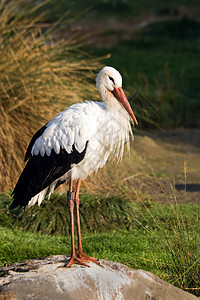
(112, 79)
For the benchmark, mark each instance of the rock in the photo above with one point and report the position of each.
(49, 279)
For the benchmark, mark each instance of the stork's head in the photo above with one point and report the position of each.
(109, 85)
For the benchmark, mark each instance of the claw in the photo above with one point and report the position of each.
(77, 260)
(82, 256)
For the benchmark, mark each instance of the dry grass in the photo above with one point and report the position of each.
(39, 76)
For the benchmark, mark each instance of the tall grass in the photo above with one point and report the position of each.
(183, 249)
(178, 237)
(40, 74)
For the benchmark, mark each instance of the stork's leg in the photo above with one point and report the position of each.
(80, 250)
(70, 199)
(80, 253)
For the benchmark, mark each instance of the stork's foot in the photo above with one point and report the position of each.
(77, 260)
(84, 257)
(81, 259)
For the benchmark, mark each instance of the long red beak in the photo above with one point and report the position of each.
(121, 97)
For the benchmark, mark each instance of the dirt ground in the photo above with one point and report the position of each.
(169, 165)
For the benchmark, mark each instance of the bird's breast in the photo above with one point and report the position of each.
(107, 142)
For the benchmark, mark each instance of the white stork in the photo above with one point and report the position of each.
(72, 145)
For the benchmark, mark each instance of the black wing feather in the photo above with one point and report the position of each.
(41, 171)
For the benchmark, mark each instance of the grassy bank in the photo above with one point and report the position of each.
(97, 213)
(126, 247)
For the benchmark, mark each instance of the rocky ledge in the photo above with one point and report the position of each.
(49, 279)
